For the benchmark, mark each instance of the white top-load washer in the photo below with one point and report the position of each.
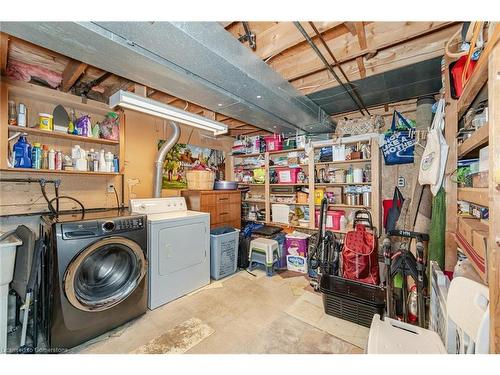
(178, 248)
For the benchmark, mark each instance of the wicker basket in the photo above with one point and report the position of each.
(200, 180)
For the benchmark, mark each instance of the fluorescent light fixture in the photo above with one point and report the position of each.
(138, 103)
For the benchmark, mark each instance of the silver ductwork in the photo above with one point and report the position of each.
(160, 158)
(197, 61)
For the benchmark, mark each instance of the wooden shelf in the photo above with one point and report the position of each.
(476, 81)
(291, 204)
(477, 196)
(341, 205)
(250, 184)
(54, 97)
(54, 134)
(341, 183)
(246, 155)
(29, 170)
(476, 140)
(254, 200)
(277, 184)
(343, 161)
(285, 151)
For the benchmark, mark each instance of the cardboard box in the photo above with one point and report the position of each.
(475, 235)
(466, 226)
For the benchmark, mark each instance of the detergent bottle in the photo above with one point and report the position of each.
(22, 153)
(36, 156)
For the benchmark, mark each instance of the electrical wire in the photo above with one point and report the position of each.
(116, 195)
(65, 197)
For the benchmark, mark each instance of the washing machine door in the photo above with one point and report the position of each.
(104, 274)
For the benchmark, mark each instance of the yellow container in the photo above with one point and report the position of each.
(46, 121)
(318, 195)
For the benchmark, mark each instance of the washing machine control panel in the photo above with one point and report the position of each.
(129, 223)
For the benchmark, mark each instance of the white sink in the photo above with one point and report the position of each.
(7, 259)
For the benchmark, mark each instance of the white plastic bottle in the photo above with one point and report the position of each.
(81, 160)
(109, 161)
(102, 161)
(75, 154)
(52, 159)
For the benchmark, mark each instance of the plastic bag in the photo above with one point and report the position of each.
(110, 127)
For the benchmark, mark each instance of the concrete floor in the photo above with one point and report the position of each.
(239, 314)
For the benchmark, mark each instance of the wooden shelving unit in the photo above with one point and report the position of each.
(478, 139)
(479, 196)
(485, 73)
(44, 171)
(309, 168)
(39, 99)
(59, 135)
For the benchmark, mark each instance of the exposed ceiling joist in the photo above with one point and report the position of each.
(284, 35)
(360, 32)
(379, 35)
(71, 73)
(416, 50)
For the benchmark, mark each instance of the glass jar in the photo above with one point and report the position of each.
(12, 113)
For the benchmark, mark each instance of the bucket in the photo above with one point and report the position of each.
(45, 121)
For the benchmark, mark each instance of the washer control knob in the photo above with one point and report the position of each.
(108, 226)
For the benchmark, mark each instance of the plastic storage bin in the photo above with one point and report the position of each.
(223, 252)
(273, 143)
(351, 300)
(332, 219)
(287, 175)
(280, 213)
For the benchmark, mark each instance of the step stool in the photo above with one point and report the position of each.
(266, 252)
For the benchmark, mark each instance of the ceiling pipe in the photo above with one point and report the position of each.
(327, 64)
(337, 64)
(160, 158)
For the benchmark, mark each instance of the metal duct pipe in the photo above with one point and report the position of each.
(327, 64)
(160, 158)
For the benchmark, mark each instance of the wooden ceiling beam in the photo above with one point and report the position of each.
(379, 35)
(361, 66)
(4, 52)
(71, 73)
(285, 35)
(360, 33)
(417, 50)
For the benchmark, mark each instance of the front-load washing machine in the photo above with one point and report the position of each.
(178, 248)
(94, 274)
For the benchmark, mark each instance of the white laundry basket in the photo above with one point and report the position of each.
(223, 252)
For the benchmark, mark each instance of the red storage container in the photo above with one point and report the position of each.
(273, 143)
(332, 219)
(287, 175)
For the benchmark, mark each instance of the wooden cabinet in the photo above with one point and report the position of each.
(224, 206)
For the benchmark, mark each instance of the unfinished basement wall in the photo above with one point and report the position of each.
(141, 146)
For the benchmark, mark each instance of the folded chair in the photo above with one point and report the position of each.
(468, 308)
